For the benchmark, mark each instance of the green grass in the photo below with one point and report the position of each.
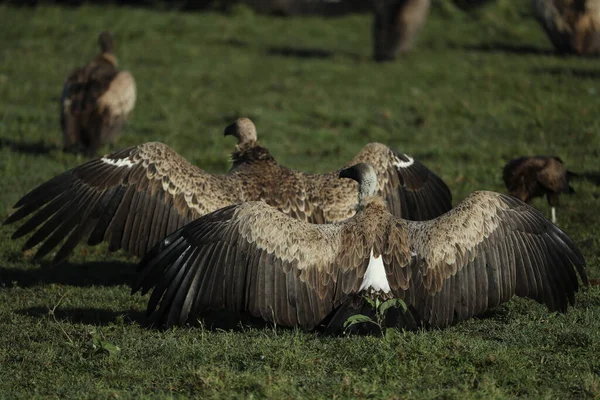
(479, 89)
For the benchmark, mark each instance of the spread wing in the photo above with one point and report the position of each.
(480, 254)
(131, 198)
(410, 189)
(252, 258)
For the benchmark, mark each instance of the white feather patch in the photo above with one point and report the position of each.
(375, 277)
(398, 163)
(122, 162)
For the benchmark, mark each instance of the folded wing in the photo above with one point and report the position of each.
(116, 104)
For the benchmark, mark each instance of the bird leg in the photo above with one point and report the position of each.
(553, 215)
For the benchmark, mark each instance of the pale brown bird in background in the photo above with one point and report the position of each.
(96, 101)
(529, 177)
(252, 258)
(396, 26)
(573, 26)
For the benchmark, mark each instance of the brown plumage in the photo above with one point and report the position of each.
(135, 197)
(251, 258)
(96, 101)
(573, 26)
(529, 177)
(396, 26)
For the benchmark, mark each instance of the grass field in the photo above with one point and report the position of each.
(479, 89)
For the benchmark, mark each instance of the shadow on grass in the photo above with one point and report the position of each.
(192, 5)
(93, 273)
(591, 176)
(569, 72)
(90, 316)
(497, 47)
(309, 53)
(35, 148)
(232, 42)
(293, 52)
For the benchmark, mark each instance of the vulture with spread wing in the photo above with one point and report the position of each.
(251, 258)
(137, 196)
(96, 100)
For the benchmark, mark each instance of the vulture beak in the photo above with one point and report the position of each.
(231, 130)
(356, 172)
(347, 173)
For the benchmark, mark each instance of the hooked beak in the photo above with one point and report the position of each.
(230, 130)
(347, 173)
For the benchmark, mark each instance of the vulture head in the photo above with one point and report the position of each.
(105, 40)
(366, 177)
(243, 129)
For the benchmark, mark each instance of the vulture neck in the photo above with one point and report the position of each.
(250, 152)
(367, 190)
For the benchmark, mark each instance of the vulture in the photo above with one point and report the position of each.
(573, 26)
(134, 197)
(96, 101)
(529, 177)
(253, 259)
(397, 25)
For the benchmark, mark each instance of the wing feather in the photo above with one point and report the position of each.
(410, 189)
(131, 198)
(483, 252)
(265, 263)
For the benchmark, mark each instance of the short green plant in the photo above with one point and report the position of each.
(381, 309)
(99, 345)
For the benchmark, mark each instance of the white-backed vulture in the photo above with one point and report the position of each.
(96, 101)
(529, 177)
(251, 258)
(135, 197)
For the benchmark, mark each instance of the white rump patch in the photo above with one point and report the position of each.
(375, 277)
(398, 163)
(122, 162)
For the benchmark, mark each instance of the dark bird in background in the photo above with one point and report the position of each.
(96, 101)
(135, 197)
(253, 259)
(529, 177)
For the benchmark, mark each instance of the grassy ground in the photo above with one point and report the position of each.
(479, 89)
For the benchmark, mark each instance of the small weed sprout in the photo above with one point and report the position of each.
(381, 309)
(100, 346)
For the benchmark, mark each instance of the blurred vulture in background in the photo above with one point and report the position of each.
(96, 101)
(252, 259)
(396, 23)
(134, 197)
(573, 26)
(529, 177)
